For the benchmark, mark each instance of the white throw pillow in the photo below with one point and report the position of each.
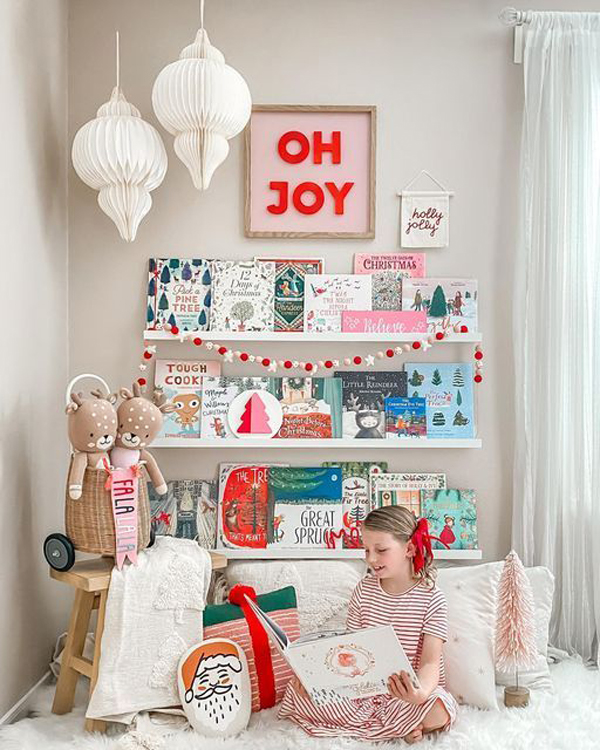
(469, 653)
(537, 678)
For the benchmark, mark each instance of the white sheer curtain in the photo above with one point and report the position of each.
(556, 510)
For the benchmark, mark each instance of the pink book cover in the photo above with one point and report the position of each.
(383, 321)
(409, 264)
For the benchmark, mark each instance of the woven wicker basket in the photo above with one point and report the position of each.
(89, 521)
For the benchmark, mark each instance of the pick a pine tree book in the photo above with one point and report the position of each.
(179, 293)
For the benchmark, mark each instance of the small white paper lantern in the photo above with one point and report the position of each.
(202, 102)
(124, 158)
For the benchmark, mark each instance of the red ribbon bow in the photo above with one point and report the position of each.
(422, 541)
(260, 645)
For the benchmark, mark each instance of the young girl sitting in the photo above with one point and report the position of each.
(399, 590)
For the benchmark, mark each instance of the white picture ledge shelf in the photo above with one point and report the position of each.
(333, 554)
(276, 444)
(453, 338)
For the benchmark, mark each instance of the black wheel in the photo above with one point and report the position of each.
(152, 537)
(59, 552)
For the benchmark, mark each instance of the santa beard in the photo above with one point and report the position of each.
(218, 711)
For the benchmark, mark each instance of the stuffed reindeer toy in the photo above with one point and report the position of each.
(139, 422)
(92, 425)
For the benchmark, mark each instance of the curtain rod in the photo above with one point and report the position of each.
(513, 17)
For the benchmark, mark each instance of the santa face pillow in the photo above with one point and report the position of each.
(214, 687)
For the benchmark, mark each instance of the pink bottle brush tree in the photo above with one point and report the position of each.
(515, 627)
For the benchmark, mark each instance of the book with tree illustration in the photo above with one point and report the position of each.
(356, 496)
(448, 391)
(305, 507)
(311, 407)
(242, 295)
(179, 294)
(243, 506)
(363, 397)
(452, 516)
(217, 395)
(188, 510)
(447, 302)
(405, 417)
(397, 488)
(336, 666)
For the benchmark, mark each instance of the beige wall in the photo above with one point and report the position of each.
(33, 221)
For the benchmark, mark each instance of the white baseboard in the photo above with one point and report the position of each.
(23, 705)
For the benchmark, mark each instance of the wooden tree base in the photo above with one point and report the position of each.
(516, 697)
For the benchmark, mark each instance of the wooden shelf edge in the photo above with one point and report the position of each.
(314, 338)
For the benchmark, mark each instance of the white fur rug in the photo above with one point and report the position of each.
(568, 719)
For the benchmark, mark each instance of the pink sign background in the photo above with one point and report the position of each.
(383, 321)
(267, 166)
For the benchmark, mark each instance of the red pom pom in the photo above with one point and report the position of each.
(238, 594)
(328, 364)
(142, 381)
(308, 366)
(197, 341)
(416, 345)
(478, 378)
(357, 360)
(222, 350)
(174, 330)
(287, 364)
(464, 329)
(478, 355)
(244, 357)
(389, 352)
(439, 335)
(266, 362)
(147, 355)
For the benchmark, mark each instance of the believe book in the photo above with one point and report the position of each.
(243, 506)
(452, 516)
(179, 294)
(181, 382)
(312, 407)
(448, 391)
(328, 294)
(447, 302)
(217, 395)
(305, 506)
(405, 418)
(363, 401)
(407, 264)
(289, 290)
(188, 510)
(243, 294)
(397, 488)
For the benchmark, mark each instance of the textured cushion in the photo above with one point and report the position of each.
(323, 587)
(228, 621)
(469, 653)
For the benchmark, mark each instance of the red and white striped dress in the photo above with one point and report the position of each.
(412, 614)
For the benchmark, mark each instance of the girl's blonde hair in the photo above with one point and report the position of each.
(401, 524)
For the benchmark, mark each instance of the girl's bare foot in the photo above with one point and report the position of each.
(415, 736)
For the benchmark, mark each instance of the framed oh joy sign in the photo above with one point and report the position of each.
(310, 172)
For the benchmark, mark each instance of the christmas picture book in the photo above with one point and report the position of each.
(243, 293)
(452, 516)
(243, 506)
(289, 290)
(188, 510)
(405, 417)
(181, 382)
(363, 401)
(327, 295)
(179, 293)
(386, 290)
(312, 407)
(447, 302)
(396, 488)
(338, 666)
(448, 391)
(407, 264)
(217, 395)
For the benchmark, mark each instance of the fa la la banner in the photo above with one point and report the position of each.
(425, 215)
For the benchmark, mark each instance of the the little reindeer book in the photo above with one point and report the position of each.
(335, 666)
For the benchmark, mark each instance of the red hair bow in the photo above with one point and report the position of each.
(422, 541)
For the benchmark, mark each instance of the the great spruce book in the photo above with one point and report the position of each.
(448, 391)
(181, 382)
(363, 397)
(188, 510)
(242, 296)
(289, 290)
(405, 418)
(312, 407)
(452, 516)
(305, 506)
(179, 293)
(447, 302)
(327, 295)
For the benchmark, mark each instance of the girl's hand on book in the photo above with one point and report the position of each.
(299, 688)
(400, 686)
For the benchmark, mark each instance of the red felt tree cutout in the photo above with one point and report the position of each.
(255, 420)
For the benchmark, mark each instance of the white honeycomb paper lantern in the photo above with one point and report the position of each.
(203, 102)
(124, 158)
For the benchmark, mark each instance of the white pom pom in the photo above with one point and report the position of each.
(380, 355)
(406, 347)
(346, 361)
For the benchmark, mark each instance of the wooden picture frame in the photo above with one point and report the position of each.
(343, 189)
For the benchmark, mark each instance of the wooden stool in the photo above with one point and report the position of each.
(91, 579)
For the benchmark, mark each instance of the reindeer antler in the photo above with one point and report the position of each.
(353, 403)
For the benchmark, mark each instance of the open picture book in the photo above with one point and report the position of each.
(336, 665)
